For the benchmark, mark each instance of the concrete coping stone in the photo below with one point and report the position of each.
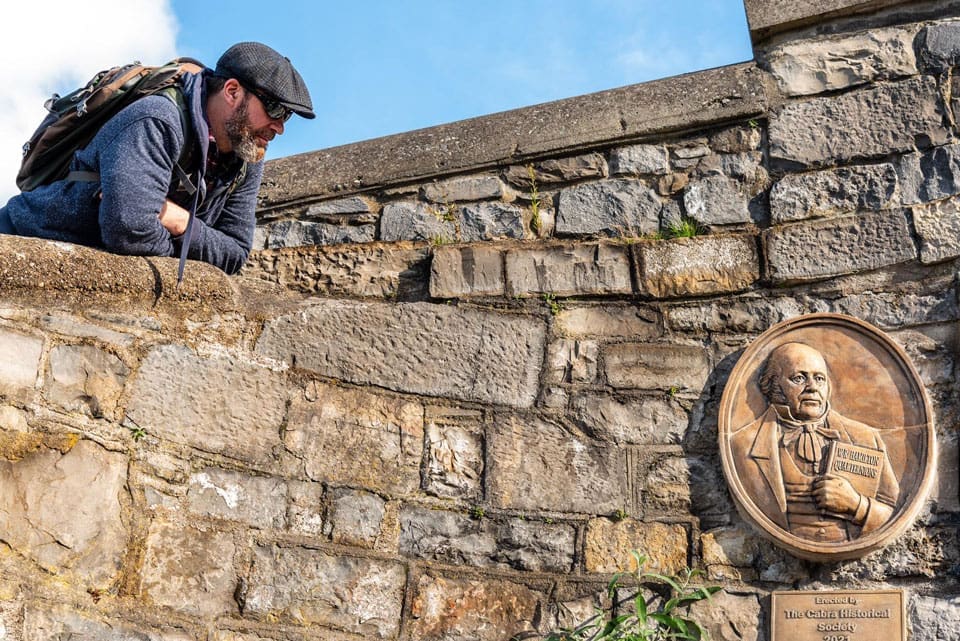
(769, 17)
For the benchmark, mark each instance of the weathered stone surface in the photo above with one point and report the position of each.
(256, 500)
(766, 18)
(296, 233)
(635, 421)
(666, 486)
(457, 539)
(558, 170)
(536, 465)
(854, 243)
(189, 569)
(459, 272)
(817, 66)
(608, 545)
(312, 588)
(868, 123)
(385, 433)
(572, 361)
(454, 460)
(355, 517)
(697, 266)
(894, 309)
(617, 207)
(305, 509)
(463, 188)
(938, 46)
(716, 200)
(934, 618)
(611, 321)
(396, 270)
(747, 167)
(44, 624)
(19, 362)
(70, 325)
(639, 159)
(730, 617)
(64, 510)
(489, 221)
(222, 404)
(86, 379)
(658, 367)
(743, 315)
(569, 270)
(483, 356)
(408, 220)
(448, 609)
(938, 227)
(736, 140)
(832, 191)
(737, 553)
(929, 176)
(339, 207)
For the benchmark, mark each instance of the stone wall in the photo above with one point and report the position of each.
(471, 367)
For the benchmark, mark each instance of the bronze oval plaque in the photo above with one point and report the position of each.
(826, 437)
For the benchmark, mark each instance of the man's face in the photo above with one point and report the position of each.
(250, 129)
(803, 381)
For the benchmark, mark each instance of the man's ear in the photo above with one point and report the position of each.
(232, 92)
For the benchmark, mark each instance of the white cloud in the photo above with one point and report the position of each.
(57, 45)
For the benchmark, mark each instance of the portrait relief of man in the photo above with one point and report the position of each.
(787, 457)
(826, 436)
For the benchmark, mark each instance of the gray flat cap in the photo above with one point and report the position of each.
(258, 66)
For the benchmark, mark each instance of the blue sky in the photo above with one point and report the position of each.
(374, 67)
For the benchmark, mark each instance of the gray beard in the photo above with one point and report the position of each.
(242, 140)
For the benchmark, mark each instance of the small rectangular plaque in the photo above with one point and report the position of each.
(830, 615)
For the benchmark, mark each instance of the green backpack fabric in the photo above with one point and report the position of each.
(73, 120)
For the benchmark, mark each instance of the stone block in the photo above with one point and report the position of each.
(938, 46)
(452, 609)
(489, 221)
(639, 160)
(436, 350)
(338, 208)
(608, 545)
(85, 379)
(868, 123)
(296, 233)
(396, 270)
(934, 618)
(895, 309)
(717, 200)
(740, 315)
(407, 220)
(190, 569)
(64, 511)
(68, 325)
(258, 501)
(312, 588)
(42, 623)
(19, 362)
(657, 367)
(666, 485)
(853, 244)
(832, 191)
(558, 170)
(355, 517)
(465, 188)
(651, 420)
(457, 539)
(736, 140)
(728, 616)
(460, 272)
(697, 266)
(454, 460)
(929, 176)
(537, 465)
(608, 321)
(305, 508)
(616, 207)
(938, 227)
(569, 270)
(218, 404)
(385, 433)
(572, 361)
(808, 67)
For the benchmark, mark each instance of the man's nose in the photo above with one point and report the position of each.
(277, 127)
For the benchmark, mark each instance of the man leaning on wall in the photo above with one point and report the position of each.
(135, 207)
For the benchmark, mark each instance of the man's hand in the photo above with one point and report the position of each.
(174, 218)
(835, 494)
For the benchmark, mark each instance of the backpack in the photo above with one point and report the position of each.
(73, 120)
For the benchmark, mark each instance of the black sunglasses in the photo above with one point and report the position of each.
(272, 106)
